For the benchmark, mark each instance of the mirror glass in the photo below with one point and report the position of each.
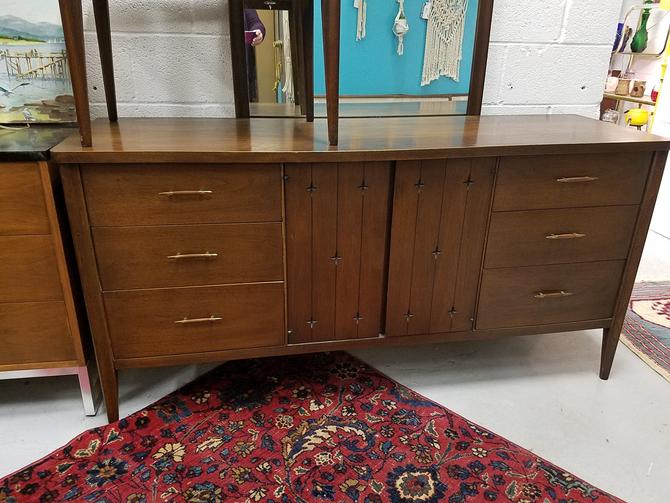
(396, 58)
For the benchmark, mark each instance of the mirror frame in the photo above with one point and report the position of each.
(329, 7)
(73, 28)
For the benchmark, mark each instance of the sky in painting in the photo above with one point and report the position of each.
(32, 10)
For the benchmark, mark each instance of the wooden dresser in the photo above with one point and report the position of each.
(39, 313)
(204, 240)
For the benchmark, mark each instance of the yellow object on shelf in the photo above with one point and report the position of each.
(637, 117)
(665, 4)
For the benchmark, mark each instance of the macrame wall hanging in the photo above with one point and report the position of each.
(444, 40)
(287, 89)
(400, 26)
(362, 7)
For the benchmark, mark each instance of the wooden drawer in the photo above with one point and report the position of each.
(28, 269)
(167, 194)
(567, 181)
(509, 297)
(148, 322)
(521, 238)
(139, 257)
(22, 207)
(34, 332)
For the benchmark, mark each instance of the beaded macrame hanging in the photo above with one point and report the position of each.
(400, 27)
(287, 89)
(444, 40)
(362, 7)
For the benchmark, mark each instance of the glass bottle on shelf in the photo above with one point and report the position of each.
(641, 37)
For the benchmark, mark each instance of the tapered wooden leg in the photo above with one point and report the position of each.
(73, 191)
(610, 342)
(308, 56)
(238, 52)
(110, 390)
(330, 14)
(104, 32)
(73, 28)
(611, 335)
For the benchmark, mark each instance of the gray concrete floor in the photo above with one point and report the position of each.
(541, 392)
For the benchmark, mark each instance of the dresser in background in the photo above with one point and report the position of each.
(41, 318)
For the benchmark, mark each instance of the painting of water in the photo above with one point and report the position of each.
(34, 77)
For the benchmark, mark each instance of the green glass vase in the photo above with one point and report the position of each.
(641, 37)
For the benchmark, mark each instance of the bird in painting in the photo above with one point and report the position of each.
(7, 92)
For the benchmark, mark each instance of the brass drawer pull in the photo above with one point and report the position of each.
(569, 235)
(193, 256)
(188, 321)
(172, 193)
(553, 294)
(577, 179)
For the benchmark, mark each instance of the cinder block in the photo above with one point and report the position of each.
(213, 110)
(591, 22)
(591, 111)
(527, 21)
(167, 69)
(164, 16)
(494, 72)
(554, 74)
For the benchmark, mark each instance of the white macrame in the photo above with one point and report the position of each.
(287, 89)
(444, 40)
(400, 26)
(361, 18)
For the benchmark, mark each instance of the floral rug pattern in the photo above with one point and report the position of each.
(315, 428)
(646, 329)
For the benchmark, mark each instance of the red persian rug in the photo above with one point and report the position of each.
(646, 329)
(314, 428)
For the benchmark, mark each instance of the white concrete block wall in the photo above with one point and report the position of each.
(549, 57)
(172, 57)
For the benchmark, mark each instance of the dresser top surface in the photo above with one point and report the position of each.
(361, 139)
(23, 143)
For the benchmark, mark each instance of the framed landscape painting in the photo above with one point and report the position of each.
(34, 76)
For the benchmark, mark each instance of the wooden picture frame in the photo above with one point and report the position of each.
(71, 13)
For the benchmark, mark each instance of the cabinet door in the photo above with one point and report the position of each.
(440, 214)
(337, 225)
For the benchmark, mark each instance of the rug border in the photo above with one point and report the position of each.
(646, 290)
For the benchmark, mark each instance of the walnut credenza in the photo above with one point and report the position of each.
(42, 319)
(205, 240)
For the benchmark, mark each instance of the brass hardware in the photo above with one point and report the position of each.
(270, 4)
(469, 182)
(336, 260)
(312, 323)
(553, 294)
(311, 189)
(358, 318)
(437, 253)
(364, 186)
(420, 185)
(577, 179)
(172, 193)
(569, 235)
(452, 312)
(188, 321)
(408, 316)
(191, 256)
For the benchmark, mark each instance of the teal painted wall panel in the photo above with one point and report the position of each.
(372, 66)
